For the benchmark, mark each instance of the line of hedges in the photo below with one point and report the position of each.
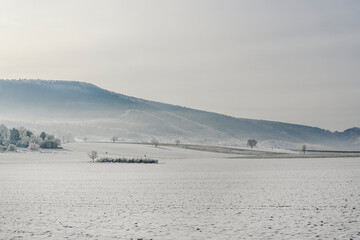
(127, 160)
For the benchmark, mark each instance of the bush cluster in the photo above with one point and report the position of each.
(11, 139)
(126, 160)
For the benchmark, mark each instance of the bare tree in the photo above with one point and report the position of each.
(251, 143)
(93, 155)
(155, 142)
(303, 149)
(177, 142)
(114, 138)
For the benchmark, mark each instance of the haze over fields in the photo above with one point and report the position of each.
(181, 119)
(287, 61)
(82, 109)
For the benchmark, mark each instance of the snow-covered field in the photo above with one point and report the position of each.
(189, 195)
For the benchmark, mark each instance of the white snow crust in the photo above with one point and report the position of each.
(189, 195)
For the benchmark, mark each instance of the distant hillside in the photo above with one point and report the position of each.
(85, 109)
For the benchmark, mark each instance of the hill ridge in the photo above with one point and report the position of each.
(86, 102)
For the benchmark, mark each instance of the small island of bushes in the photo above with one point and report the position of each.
(126, 160)
(94, 155)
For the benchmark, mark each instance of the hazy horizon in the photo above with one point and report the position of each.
(293, 62)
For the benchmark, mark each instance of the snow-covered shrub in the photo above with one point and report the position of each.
(127, 160)
(57, 141)
(11, 148)
(50, 137)
(23, 143)
(5, 142)
(49, 144)
(36, 139)
(46, 144)
(34, 146)
(3, 148)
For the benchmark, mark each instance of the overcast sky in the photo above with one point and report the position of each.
(289, 61)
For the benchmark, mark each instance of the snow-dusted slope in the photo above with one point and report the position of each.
(84, 109)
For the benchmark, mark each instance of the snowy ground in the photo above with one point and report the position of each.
(189, 195)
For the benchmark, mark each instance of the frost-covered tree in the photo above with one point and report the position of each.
(251, 143)
(93, 155)
(35, 139)
(43, 135)
(22, 132)
(23, 142)
(29, 133)
(114, 138)
(155, 142)
(4, 134)
(14, 136)
(23, 138)
(49, 137)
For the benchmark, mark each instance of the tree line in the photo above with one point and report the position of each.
(11, 139)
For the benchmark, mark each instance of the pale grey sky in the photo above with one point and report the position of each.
(290, 61)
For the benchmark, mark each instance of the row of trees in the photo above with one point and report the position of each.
(250, 143)
(10, 139)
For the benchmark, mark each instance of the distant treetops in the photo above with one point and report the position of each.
(20, 137)
(251, 143)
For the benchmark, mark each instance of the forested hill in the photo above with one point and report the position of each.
(84, 108)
